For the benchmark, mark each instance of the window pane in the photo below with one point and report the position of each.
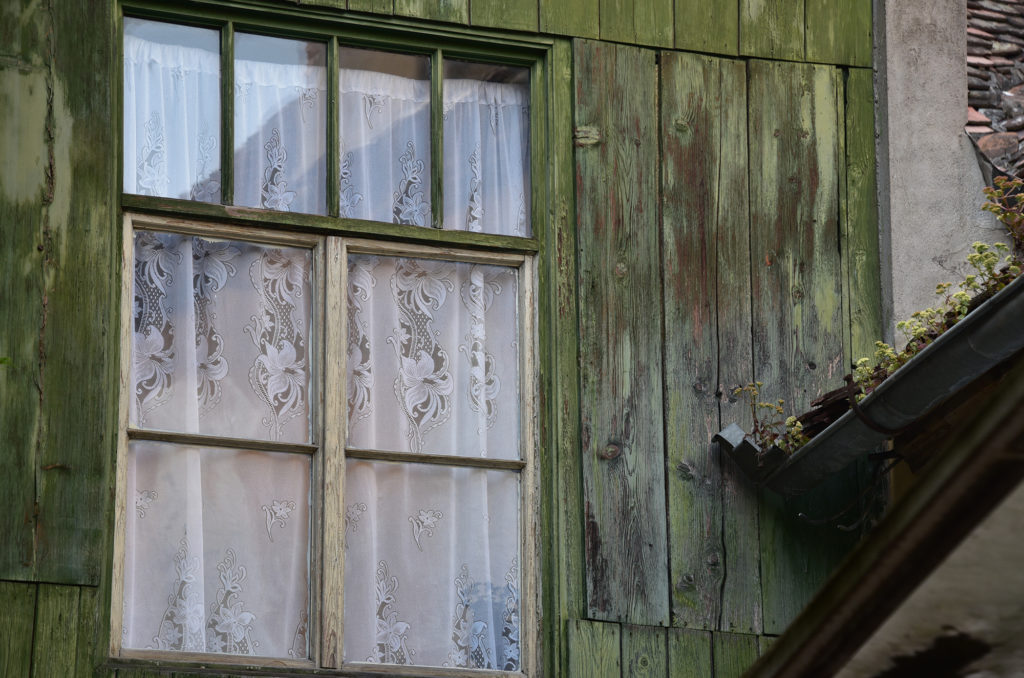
(280, 124)
(171, 110)
(433, 357)
(432, 566)
(221, 337)
(384, 103)
(217, 550)
(486, 148)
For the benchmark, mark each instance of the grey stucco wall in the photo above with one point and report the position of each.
(930, 185)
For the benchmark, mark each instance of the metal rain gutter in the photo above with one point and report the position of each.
(988, 335)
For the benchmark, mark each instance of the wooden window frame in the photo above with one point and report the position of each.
(330, 237)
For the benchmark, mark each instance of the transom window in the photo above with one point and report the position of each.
(328, 444)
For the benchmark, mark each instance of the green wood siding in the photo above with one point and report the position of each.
(712, 220)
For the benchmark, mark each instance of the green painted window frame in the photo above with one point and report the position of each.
(550, 204)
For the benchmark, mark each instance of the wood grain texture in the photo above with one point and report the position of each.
(798, 326)
(578, 18)
(765, 642)
(518, 15)
(639, 23)
(563, 332)
(692, 113)
(689, 654)
(644, 651)
(54, 644)
(375, 6)
(733, 653)
(839, 32)
(772, 29)
(620, 334)
(741, 588)
(707, 26)
(17, 614)
(594, 649)
(454, 11)
(861, 229)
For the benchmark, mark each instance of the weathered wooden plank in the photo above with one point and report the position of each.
(692, 114)
(861, 232)
(78, 343)
(519, 15)
(689, 654)
(620, 333)
(375, 6)
(455, 11)
(578, 18)
(594, 649)
(708, 26)
(17, 614)
(644, 652)
(839, 32)
(93, 629)
(765, 642)
(734, 653)
(559, 274)
(54, 643)
(639, 23)
(798, 326)
(772, 29)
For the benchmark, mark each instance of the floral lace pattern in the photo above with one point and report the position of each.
(151, 168)
(423, 524)
(350, 198)
(212, 265)
(510, 619)
(359, 366)
(373, 104)
(475, 207)
(391, 645)
(409, 205)
(469, 634)
(478, 293)
(154, 357)
(274, 193)
(278, 376)
(207, 185)
(229, 628)
(277, 514)
(181, 627)
(144, 501)
(424, 385)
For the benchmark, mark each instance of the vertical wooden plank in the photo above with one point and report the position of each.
(17, 614)
(375, 6)
(641, 23)
(620, 333)
(689, 654)
(839, 32)
(578, 18)
(518, 15)
(864, 285)
(797, 304)
(93, 627)
(54, 645)
(708, 26)
(644, 652)
(734, 653)
(593, 649)
(559, 274)
(455, 11)
(772, 29)
(78, 339)
(765, 642)
(692, 112)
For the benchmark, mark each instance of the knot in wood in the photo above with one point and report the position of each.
(611, 451)
(685, 471)
(620, 270)
(586, 135)
(686, 582)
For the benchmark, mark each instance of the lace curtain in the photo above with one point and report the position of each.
(172, 135)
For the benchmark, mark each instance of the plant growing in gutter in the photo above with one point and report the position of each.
(1006, 201)
(769, 428)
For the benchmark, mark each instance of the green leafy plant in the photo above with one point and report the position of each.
(769, 427)
(1006, 201)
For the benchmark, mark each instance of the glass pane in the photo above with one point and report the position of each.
(486, 148)
(432, 568)
(221, 337)
(280, 124)
(217, 551)
(384, 118)
(171, 110)
(433, 357)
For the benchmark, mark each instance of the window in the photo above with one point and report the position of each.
(328, 453)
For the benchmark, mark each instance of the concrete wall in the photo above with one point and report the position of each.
(929, 180)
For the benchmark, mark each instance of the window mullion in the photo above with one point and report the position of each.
(335, 420)
(227, 113)
(437, 140)
(333, 131)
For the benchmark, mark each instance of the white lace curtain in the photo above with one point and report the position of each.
(172, 136)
